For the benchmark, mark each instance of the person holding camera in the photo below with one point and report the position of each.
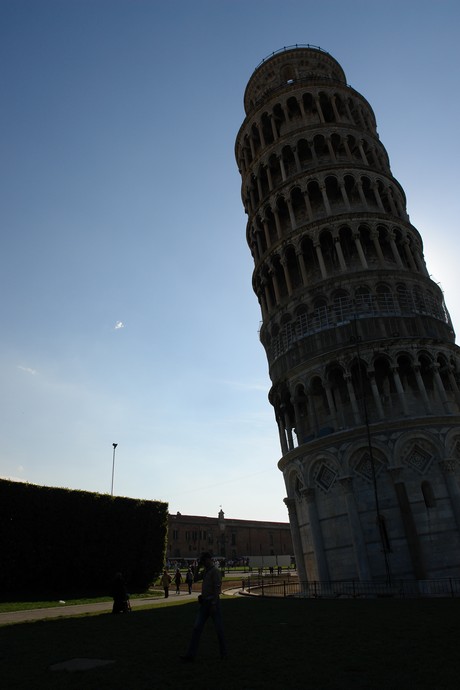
(209, 607)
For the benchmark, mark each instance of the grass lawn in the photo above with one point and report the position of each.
(29, 603)
(273, 643)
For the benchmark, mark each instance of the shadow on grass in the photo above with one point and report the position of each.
(322, 645)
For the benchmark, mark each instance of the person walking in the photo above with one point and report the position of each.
(119, 594)
(165, 582)
(189, 580)
(178, 580)
(209, 606)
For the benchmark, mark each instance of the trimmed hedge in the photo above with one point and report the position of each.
(60, 540)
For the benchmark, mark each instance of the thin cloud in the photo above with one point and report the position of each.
(28, 370)
(118, 325)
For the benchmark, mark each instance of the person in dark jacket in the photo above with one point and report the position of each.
(120, 595)
(209, 607)
(189, 580)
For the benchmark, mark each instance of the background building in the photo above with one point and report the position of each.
(189, 535)
(360, 346)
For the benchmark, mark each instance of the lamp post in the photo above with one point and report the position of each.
(113, 464)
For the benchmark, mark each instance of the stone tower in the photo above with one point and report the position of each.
(360, 346)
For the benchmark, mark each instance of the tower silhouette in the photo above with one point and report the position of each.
(360, 346)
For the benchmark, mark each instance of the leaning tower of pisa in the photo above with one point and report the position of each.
(360, 346)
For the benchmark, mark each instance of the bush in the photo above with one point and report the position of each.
(63, 540)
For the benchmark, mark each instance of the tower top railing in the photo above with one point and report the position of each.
(285, 48)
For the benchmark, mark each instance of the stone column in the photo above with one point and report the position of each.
(361, 193)
(410, 529)
(288, 427)
(311, 144)
(296, 541)
(308, 205)
(292, 217)
(347, 149)
(263, 305)
(359, 248)
(376, 395)
(319, 254)
(279, 232)
(344, 194)
(361, 150)
(319, 109)
(351, 394)
(258, 243)
(408, 254)
(325, 199)
(282, 433)
(316, 534)
(391, 201)
(259, 188)
(378, 248)
(400, 390)
(418, 256)
(261, 135)
(269, 178)
(441, 390)
(394, 249)
(287, 277)
(297, 160)
(448, 467)
(422, 389)
(338, 249)
(276, 288)
(334, 108)
(330, 402)
(454, 385)
(245, 156)
(298, 422)
(303, 269)
(375, 189)
(267, 294)
(302, 109)
(283, 169)
(356, 532)
(331, 149)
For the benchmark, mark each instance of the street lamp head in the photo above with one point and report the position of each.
(114, 445)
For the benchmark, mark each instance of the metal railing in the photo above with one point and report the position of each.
(345, 310)
(285, 48)
(272, 586)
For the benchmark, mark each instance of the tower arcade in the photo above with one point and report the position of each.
(361, 350)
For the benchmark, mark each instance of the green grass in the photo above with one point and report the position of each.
(27, 602)
(314, 644)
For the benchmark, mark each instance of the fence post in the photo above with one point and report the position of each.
(263, 587)
(284, 588)
(451, 588)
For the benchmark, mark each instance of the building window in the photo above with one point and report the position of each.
(175, 534)
(233, 539)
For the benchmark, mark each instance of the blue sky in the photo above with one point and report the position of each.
(127, 310)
